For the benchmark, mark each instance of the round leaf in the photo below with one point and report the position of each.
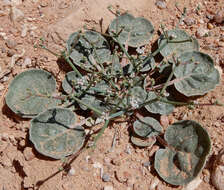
(132, 31)
(147, 127)
(54, 135)
(30, 93)
(88, 48)
(184, 158)
(196, 74)
(143, 142)
(177, 48)
(156, 106)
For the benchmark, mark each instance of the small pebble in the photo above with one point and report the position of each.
(27, 62)
(164, 121)
(147, 164)
(11, 43)
(219, 17)
(201, 32)
(24, 30)
(193, 184)
(210, 26)
(28, 153)
(16, 14)
(189, 21)
(1, 87)
(154, 183)
(108, 188)
(71, 172)
(161, 4)
(106, 177)
(10, 53)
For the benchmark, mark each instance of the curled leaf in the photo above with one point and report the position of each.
(184, 158)
(143, 142)
(88, 49)
(147, 127)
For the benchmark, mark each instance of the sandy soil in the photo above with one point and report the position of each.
(21, 167)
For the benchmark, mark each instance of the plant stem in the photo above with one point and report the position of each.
(167, 82)
(53, 53)
(101, 132)
(71, 65)
(117, 114)
(88, 106)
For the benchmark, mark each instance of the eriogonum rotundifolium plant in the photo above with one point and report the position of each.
(114, 76)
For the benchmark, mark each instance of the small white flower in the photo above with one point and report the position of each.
(134, 102)
(140, 50)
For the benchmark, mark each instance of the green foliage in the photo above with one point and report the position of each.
(132, 31)
(111, 80)
(188, 146)
(196, 75)
(30, 93)
(54, 133)
(185, 42)
(147, 127)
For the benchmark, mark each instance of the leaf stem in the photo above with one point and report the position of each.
(71, 64)
(88, 106)
(101, 132)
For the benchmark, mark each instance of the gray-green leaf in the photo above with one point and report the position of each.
(54, 133)
(184, 158)
(132, 31)
(30, 93)
(196, 74)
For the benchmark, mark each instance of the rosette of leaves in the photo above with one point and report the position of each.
(196, 74)
(145, 130)
(177, 43)
(132, 31)
(30, 93)
(184, 157)
(88, 49)
(157, 106)
(54, 133)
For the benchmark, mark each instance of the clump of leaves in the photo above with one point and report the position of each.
(114, 77)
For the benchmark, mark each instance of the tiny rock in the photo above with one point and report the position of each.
(193, 184)
(24, 30)
(27, 62)
(164, 120)
(71, 172)
(108, 188)
(1, 87)
(161, 4)
(153, 150)
(147, 164)
(201, 32)
(11, 43)
(106, 177)
(154, 183)
(210, 26)
(189, 21)
(218, 171)
(28, 153)
(16, 14)
(12, 2)
(219, 17)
